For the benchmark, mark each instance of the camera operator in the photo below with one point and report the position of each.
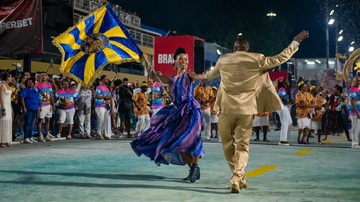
(125, 106)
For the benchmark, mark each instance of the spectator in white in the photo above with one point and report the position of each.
(214, 115)
(46, 104)
(204, 94)
(102, 105)
(5, 110)
(141, 112)
(84, 109)
(157, 97)
(67, 97)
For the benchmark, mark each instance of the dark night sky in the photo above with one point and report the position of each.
(305, 14)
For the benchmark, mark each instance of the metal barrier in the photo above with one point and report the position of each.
(142, 39)
(89, 6)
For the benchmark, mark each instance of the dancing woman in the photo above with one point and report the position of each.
(175, 133)
(284, 93)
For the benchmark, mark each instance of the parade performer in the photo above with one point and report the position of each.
(175, 133)
(316, 118)
(354, 112)
(284, 93)
(303, 105)
(335, 121)
(245, 90)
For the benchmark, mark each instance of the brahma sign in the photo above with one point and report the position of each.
(165, 48)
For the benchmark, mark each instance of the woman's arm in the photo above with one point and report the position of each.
(2, 89)
(164, 79)
(197, 77)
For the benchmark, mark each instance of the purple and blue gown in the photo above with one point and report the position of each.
(173, 130)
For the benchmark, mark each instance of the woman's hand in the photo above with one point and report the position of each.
(4, 113)
(25, 111)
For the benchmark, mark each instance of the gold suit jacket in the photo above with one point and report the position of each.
(245, 86)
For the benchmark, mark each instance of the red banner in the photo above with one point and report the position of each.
(165, 48)
(20, 27)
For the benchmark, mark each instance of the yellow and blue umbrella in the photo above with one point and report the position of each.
(97, 40)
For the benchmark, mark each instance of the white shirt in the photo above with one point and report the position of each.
(85, 99)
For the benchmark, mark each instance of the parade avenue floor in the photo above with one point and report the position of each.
(89, 170)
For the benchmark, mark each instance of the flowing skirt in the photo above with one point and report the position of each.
(172, 131)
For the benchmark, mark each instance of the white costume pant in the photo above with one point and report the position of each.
(84, 118)
(142, 124)
(355, 132)
(286, 122)
(102, 121)
(107, 125)
(206, 122)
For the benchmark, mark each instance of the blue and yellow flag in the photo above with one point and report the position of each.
(97, 40)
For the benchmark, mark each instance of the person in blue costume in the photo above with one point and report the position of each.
(175, 133)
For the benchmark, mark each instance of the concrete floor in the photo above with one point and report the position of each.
(89, 170)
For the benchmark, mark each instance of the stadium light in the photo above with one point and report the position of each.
(332, 12)
(310, 62)
(318, 61)
(341, 31)
(351, 49)
(218, 51)
(340, 38)
(240, 34)
(271, 14)
(352, 42)
(331, 21)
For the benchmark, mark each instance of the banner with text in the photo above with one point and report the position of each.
(20, 27)
(165, 48)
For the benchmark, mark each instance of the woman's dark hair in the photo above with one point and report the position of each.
(96, 82)
(282, 85)
(62, 83)
(125, 79)
(117, 82)
(20, 79)
(340, 89)
(29, 79)
(4, 76)
(179, 51)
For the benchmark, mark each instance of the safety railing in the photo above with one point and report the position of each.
(89, 6)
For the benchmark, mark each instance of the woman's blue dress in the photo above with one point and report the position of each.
(173, 130)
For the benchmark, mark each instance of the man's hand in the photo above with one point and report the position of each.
(300, 37)
(358, 116)
(25, 111)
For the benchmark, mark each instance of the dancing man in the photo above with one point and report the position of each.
(245, 90)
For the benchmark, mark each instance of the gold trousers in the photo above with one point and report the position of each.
(237, 156)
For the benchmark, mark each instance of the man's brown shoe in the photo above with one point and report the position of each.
(245, 185)
(234, 188)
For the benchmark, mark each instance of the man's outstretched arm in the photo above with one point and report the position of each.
(212, 74)
(271, 62)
